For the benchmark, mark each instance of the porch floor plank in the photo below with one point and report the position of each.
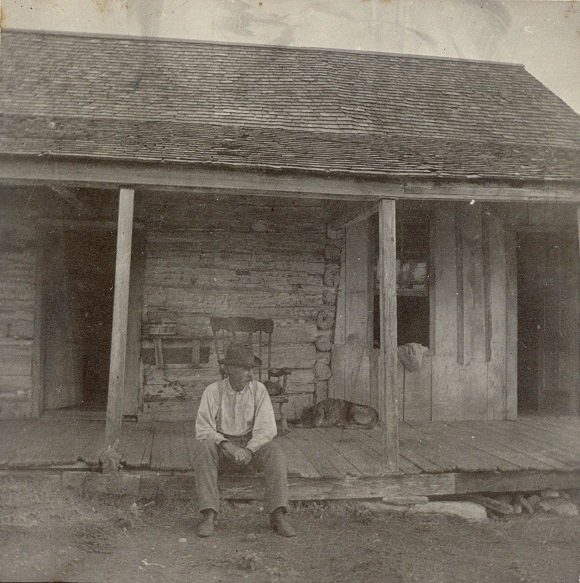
(148, 451)
(92, 442)
(374, 448)
(13, 434)
(505, 447)
(552, 445)
(189, 433)
(463, 455)
(179, 454)
(426, 466)
(557, 439)
(161, 450)
(440, 452)
(529, 447)
(298, 462)
(44, 450)
(351, 449)
(482, 453)
(316, 453)
(134, 439)
(565, 431)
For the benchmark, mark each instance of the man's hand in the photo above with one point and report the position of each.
(238, 454)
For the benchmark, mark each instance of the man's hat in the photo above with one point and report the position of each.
(240, 355)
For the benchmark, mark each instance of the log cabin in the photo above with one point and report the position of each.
(374, 206)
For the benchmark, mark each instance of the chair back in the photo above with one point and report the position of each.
(254, 332)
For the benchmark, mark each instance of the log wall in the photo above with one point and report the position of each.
(17, 313)
(249, 257)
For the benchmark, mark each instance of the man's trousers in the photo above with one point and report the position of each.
(269, 459)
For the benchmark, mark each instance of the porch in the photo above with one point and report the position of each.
(435, 458)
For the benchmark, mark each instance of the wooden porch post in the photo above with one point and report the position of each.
(578, 217)
(388, 398)
(120, 318)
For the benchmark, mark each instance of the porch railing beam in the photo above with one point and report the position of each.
(120, 317)
(388, 398)
(356, 215)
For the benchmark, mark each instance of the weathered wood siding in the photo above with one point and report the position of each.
(17, 311)
(236, 257)
(465, 374)
(469, 344)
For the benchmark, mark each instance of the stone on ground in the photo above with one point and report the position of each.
(470, 511)
(559, 506)
(549, 493)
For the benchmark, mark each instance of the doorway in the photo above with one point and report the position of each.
(548, 320)
(80, 275)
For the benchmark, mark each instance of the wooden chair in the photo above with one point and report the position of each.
(257, 333)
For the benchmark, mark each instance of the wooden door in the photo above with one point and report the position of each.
(352, 353)
(548, 324)
(63, 344)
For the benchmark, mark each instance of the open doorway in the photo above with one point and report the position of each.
(548, 320)
(79, 312)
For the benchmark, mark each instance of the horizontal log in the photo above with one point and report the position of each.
(17, 386)
(16, 357)
(15, 410)
(523, 481)
(193, 279)
(12, 290)
(246, 488)
(160, 259)
(237, 300)
(21, 261)
(226, 241)
(16, 326)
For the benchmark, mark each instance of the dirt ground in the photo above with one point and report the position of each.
(49, 535)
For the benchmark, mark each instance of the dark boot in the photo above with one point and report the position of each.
(207, 523)
(280, 524)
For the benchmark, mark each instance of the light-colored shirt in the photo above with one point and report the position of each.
(248, 410)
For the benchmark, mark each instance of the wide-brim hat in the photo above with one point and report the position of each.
(240, 355)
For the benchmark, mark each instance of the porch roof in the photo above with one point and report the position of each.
(278, 108)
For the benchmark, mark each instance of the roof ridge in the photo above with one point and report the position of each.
(325, 50)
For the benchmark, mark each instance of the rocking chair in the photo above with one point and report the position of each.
(257, 333)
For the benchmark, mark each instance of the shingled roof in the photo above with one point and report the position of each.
(263, 107)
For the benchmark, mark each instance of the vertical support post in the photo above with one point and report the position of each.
(388, 397)
(578, 217)
(120, 318)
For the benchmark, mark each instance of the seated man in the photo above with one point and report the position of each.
(235, 423)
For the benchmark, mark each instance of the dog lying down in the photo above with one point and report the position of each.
(339, 413)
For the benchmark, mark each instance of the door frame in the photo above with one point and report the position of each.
(132, 401)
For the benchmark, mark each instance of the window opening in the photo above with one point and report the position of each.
(413, 313)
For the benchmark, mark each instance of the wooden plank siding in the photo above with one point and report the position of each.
(470, 371)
